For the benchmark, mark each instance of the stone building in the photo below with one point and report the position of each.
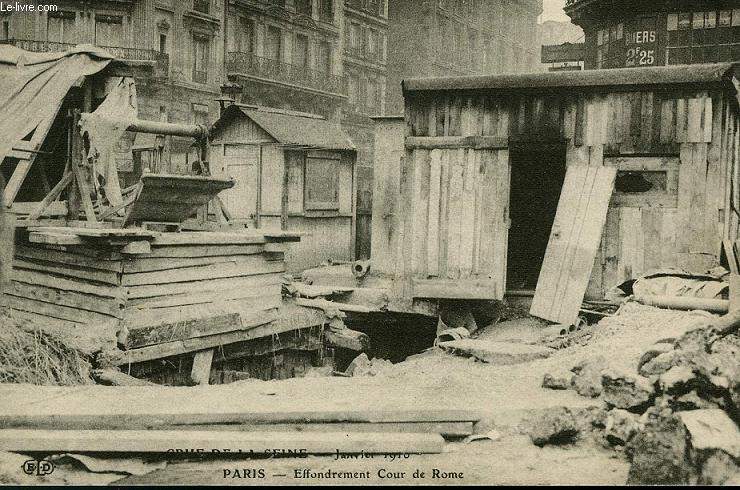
(182, 40)
(459, 37)
(633, 33)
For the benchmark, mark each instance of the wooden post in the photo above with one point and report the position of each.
(201, 371)
(284, 195)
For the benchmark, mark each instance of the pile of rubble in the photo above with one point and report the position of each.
(676, 416)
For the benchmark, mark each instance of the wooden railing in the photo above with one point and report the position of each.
(249, 64)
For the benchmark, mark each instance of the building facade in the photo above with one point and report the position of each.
(459, 37)
(182, 39)
(634, 33)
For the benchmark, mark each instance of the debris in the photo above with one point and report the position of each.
(677, 380)
(363, 366)
(34, 357)
(556, 426)
(710, 430)
(659, 451)
(116, 464)
(347, 339)
(558, 380)
(452, 334)
(496, 352)
(621, 426)
(114, 377)
(685, 303)
(586, 380)
(620, 390)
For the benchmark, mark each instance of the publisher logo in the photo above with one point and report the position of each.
(38, 467)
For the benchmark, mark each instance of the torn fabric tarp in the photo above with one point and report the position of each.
(33, 86)
(105, 128)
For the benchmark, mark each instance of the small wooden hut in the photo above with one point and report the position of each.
(294, 171)
(565, 183)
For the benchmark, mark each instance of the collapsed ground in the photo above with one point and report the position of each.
(530, 434)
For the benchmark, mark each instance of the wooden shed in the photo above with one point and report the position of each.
(565, 183)
(294, 171)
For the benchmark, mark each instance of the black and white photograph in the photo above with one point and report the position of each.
(369, 242)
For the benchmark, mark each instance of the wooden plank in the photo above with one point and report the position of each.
(445, 429)
(454, 221)
(145, 264)
(433, 215)
(182, 413)
(185, 329)
(632, 261)
(610, 250)
(652, 224)
(200, 373)
(681, 121)
(253, 265)
(43, 279)
(161, 290)
(444, 182)
(208, 238)
(457, 289)
(267, 291)
(54, 238)
(57, 311)
(454, 142)
(467, 224)
(698, 210)
(71, 259)
(420, 197)
(668, 121)
(694, 132)
(163, 441)
(685, 192)
(707, 120)
(668, 239)
(574, 241)
(74, 299)
(97, 275)
(194, 251)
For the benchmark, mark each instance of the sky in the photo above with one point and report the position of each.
(553, 10)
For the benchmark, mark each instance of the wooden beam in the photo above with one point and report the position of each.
(182, 414)
(455, 289)
(164, 441)
(450, 142)
(201, 370)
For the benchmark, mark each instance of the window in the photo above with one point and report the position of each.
(703, 37)
(324, 58)
(60, 27)
(610, 50)
(322, 184)
(109, 30)
(638, 182)
(200, 114)
(300, 51)
(201, 56)
(353, 85)
(326, 10)
(202, 6)
(273, 43)
(5, 30)
(303, 7)
(163, 43)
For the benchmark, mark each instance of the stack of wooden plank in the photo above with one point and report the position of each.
(145, 288)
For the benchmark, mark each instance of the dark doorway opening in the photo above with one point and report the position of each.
(537, 175)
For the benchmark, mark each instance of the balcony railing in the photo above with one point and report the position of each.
(249, 64)
(137, 54)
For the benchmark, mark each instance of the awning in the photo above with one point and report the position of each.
(296, 130)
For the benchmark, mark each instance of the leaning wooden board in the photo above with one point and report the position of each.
(163, 441)
(574, 241)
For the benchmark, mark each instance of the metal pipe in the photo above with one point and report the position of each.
(196, 131)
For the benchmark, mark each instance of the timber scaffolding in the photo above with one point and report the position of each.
(110, 271)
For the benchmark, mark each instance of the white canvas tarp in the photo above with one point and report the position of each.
(33, 86)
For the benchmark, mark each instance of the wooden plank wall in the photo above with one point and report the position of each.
(697, 129)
